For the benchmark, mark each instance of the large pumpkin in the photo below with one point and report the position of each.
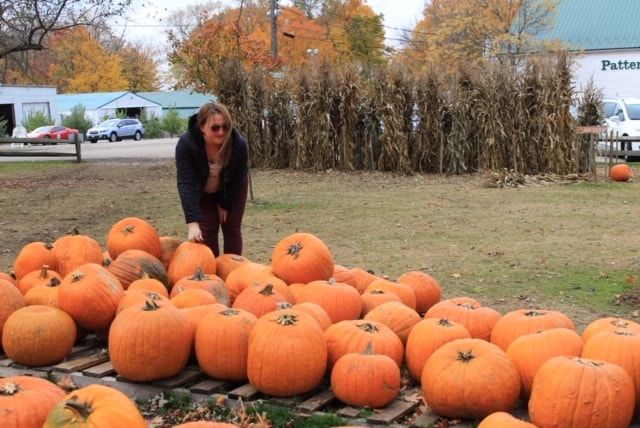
(470, 379)
(32, 257)
(75, 250)
(95, 405)
(90, 294)
(133, 233)
(25, 401)
(525, 321)
(38, 335)
(188, 258)
(365, 379)
(302, 257)
(341, 301)
(609, 324)
(479, 320)
(138, 344)
(287, 353)
(530, 351)
(132, 265)
(573, 392)
(222, 343)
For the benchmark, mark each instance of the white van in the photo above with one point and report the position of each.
(622, 115)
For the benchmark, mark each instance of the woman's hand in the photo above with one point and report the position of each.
(195, 234)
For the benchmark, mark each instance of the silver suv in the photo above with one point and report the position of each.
(116, 130)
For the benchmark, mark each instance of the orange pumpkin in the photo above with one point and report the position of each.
(365, 379)
(504, 420)
(46, 294)
(245, 275)
(227, 262)
(132, 265)
(455, 380)
(397, 316)
(352, 336)
(139, 297)
(193, 297)
(427, 336)
(287, 354)
(403, 291)
(209, 282)
(620, 172)
(9, 277)
(133, 233)
(187, 258)
(138, 344)
(426, 288)
(341, 301)
(149, 284)
(27, 400)
(530, 351)
(95, 405)
(600, 394)
(374, 298)
(222, 343)
(316, 311)
(42, 276)
(479, 320)
(262, 297)
(12, 300)
(302, 257)
(525, 321)
(76, 250)
(609, 324)
(168, 245)
(32, 257)
(90, 294)
(38, 335)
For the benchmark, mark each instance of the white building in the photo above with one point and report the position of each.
(105, 105)
(18, 102)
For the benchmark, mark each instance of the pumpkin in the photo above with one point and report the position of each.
(27, 400)
(138, 345)
(620, 172)
(32, 257)
(365, 379)
(302, 257)
(349, 336)
(38, 335)
(525, 321)
(12, 300)
(42, 276)
(245, 275)
(194, 315)
(397, 316)
(209, 282)
(133, 233)
(133, 264)
(187, 258)
(316, 311)
(168, 245)
(9, 277)
(403, 291)
(75, 250)
(425, 287)
(95, 405)
(222, 343)
(45, 294)
(530, 351)
(574, 392)
(374, 298)
(193, 297)
(90, 294)
(609, 324)
(470, 379)
(361, 279)
(149, 284)
(341, 301)
(427, 336)
(504, 420)
(227, 262)
(479, 320)
(287, 354)
(138, 297)
(618, 347)
(262, 297)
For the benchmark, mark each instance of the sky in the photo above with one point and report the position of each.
(398, 15)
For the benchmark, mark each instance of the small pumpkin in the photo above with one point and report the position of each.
(374, 298)
(95, 405)
(600, 394)
(42, 276)
(403, 291)
(27, 400)
(262, 297)
(149, 284)
(366, 379)
(45, 294)
(620, 172)
(302, 257)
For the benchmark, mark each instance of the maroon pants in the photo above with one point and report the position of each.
(231, 229)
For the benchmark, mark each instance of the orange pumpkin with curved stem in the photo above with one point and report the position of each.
(302, 257)
(365, 379)
(95, 405)
(245, 275)
(32, 257)
(262, 297)
(133, 233)
(27, 400)
(600, 393)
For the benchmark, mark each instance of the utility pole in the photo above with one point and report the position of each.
(273, 14)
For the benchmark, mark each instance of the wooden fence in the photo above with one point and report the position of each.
(41, 147)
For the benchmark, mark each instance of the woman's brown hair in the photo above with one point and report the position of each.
(210, 109)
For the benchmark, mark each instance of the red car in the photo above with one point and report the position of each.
(54, 131)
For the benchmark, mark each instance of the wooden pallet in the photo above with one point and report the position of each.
(88, 363)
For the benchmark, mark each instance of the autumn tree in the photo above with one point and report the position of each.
(139, 68)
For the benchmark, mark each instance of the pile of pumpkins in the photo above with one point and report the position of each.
(159, 303)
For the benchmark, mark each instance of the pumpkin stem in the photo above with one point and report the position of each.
(284, 305)
(44, 271)
(10, 388)
(151, 305)
(369, 349)
(294, 249)
(82, 410)
(466, 357)
(286, 319)
(128, 230)
(55, 282)
(445, 322)
(229, 312)
(267, 290)
(199, 275)
(534, 313)
(77, 276)
(368, 327)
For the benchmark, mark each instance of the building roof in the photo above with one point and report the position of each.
(597, 24)
(178, 99)
(95, 101)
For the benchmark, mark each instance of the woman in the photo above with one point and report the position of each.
(212, 161)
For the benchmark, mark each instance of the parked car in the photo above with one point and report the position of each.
(622, 115)
(116, 130)
(55, 131)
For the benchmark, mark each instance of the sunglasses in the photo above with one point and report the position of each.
(217, 128)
